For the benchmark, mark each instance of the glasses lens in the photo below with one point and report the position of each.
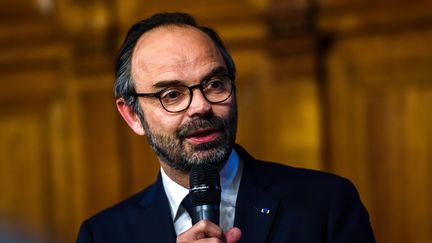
(175, 98)
(218, 89)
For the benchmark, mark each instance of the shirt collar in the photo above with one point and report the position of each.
(227, 176)
(176, 192)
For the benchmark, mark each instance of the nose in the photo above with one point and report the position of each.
(199, 105)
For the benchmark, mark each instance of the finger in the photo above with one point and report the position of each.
(202, 229)
(205, 240)
(233, 235)
(208, 229)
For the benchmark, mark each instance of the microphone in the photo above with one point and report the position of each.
(205, 193)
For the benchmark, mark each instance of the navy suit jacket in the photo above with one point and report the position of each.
(275, 203)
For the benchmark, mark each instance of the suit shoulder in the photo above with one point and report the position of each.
(123, 208)
(288, 175)
(302, 177)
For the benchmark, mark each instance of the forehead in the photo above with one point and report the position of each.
(170, 51)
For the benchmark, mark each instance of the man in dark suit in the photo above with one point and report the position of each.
(175, 85)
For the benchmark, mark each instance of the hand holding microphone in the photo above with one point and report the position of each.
(205, 195)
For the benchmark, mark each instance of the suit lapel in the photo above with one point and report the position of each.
(157, 218)
(255, 208)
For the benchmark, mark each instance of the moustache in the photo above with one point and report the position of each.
(193, 126)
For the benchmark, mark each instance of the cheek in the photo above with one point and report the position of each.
(224, 109)
(162, 123)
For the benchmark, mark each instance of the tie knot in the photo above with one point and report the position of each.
(187, 204)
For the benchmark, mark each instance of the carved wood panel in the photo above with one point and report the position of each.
(380, 97)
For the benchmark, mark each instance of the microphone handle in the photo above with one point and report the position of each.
(207, 212)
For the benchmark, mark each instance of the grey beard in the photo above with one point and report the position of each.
(175, 153)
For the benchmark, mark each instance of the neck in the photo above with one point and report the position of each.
(180, 177)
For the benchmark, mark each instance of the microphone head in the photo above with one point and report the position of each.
(204, 182)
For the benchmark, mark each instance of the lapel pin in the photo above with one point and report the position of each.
(265, 210)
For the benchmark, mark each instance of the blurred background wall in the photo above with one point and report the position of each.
(336, 85)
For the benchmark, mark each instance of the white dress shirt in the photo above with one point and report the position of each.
(230, 176)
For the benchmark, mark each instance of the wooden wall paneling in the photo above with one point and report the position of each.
(68, 171)
(253, 71)
(86, 20)
(373, 88)
(294, 108)
(220, 15)
(292, 111)
(101, 166)
(385, 155)
(31, 101)
(132, 11)
(65, 198)
(346, 120)
(361, 17)
(382, 60)
(23, 168)
(25, 8)
(418, 167)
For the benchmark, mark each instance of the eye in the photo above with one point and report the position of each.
(173, 94)
(216, 83)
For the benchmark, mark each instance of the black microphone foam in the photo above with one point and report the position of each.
(205, 192)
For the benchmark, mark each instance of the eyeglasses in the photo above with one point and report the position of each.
(178, 98)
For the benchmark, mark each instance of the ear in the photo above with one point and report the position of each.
(130, 116)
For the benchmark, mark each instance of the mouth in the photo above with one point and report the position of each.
(203, 136)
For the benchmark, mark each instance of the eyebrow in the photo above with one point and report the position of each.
(217, 71)
(167, 83)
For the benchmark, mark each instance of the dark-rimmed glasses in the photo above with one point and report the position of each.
(178, 98)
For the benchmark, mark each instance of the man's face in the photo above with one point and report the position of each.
(204, 133)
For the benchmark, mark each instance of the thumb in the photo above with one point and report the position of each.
(233, 235)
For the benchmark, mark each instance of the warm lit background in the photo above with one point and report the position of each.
(337, 85)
